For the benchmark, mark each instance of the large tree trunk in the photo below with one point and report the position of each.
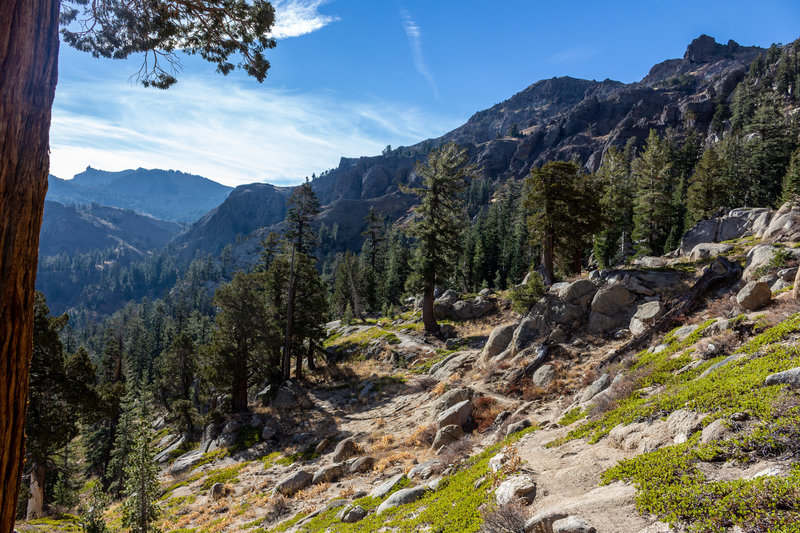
(28, 73)
(239, 389)
(311, 364)
(547, 258)
(428, 318)
(298, 366)
(36, 501)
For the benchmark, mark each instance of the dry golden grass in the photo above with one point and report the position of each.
(312, 492)
(476, 328)
(422, 437)
(346, 493)
(403, 458)
(383, 443)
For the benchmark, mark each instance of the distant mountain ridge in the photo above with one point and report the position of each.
(165, 194)
(554, 119)
(72, 230)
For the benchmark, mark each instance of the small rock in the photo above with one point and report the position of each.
(446, 436)
(328, 474)
(498, 341)
(520, 487)
(754, 295)
(452, 343)
(599, 385)
(185, 461)
(269, 432)
(572, 524)
(741, 416)
(458, 414)
(344, 450)
(622, 334)
(322, 446)
(680, 334)
(715, 431)
(544, 376)
(219, 491)
(293, 483)
(788, 377)
(353, 514)
(384, 488)
(497, 461)
(518, 426)
(164, 456)
(426, 469)
(451, 398)
(232, 427)
(402, 497)
(682, 423)
(360, 465)
(543, 522)
(365, 392)
(788, 274)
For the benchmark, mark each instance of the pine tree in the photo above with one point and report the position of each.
(439, 222)
(142, 489)
(767, 153)
(303, 209)
(124, 436)
(310, 315)
(374, 249)
(651, 212)
(61, 394)
(92, 520)
(245, 339)
(68, 479)
(707, 186)
(791, 182)
(177, 368)
(398, 266)
(616, 206)
(684, 153)
(564, 213)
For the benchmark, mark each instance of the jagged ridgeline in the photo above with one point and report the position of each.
(410, 341)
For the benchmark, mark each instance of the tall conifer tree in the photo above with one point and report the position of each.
(440, 220)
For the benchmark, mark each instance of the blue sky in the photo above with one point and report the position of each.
(349, 77)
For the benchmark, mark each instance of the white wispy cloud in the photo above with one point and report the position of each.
(299, 17)
(414, 34)
(573, 55)
(223, 130)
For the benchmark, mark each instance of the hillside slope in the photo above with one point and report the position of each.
(522, 422)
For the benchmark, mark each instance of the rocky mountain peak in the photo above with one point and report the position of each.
(706, 49)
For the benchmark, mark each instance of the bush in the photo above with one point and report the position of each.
(509, 518)
(524, 296)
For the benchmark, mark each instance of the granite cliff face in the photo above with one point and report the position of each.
(562, 118)
(246, 209)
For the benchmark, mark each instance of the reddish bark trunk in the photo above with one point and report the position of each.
(28, 74)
